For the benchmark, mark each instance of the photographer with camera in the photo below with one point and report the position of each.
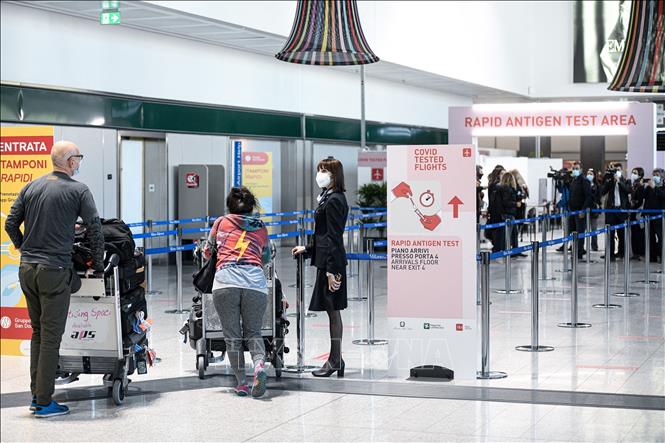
(581, 198)
(617, 190)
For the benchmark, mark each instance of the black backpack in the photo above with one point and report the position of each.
(118, 238)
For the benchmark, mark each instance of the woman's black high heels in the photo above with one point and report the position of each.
(327, 370)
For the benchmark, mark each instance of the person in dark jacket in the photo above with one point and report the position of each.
(617, 190)
(595, 190)
(493, 212)
(328, 255)
(581, 198)
(636, 186)
(479, 192)
(654, 198)
(505, 197)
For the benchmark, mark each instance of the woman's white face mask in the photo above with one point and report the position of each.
(323, 179)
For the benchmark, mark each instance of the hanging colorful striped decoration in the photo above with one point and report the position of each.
(642, 66)
(327, 32)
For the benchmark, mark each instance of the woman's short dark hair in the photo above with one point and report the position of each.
(336, 170)
(241, 201)
(640, 171)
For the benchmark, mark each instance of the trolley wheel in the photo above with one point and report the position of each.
(201, 366)
(118, 392)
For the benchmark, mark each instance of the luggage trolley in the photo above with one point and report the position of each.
(274, 328)
(93, 340)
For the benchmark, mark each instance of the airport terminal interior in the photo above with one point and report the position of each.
(480, 187)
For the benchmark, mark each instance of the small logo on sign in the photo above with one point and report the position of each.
(192, 180)
(6, 322)
(459, 327)
(426, 325)
(466, 152)
(377, 174)
(402, 324)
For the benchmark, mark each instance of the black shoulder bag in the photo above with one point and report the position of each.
(205, 277)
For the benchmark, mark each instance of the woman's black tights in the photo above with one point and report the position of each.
(336, 328)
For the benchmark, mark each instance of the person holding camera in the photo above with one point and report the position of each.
(581, 199)
(636, 186)
(617, 190)
(654, 198)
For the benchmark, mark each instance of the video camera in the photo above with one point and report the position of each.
(561, 176)
(611, 170)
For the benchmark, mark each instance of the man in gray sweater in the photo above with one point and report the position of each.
(49, 207)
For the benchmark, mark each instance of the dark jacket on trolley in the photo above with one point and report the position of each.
(581, 195)
(326, 247)
(624, 190)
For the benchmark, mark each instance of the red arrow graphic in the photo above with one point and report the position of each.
(455, 201)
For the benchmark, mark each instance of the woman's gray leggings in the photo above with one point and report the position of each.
(234, 304)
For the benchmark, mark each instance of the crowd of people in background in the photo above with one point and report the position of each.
(507, 194)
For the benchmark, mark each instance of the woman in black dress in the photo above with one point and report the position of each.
(326, 250)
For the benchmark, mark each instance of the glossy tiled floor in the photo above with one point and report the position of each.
(622, 353)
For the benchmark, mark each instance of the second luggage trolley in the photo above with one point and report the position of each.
(205, 328)
(93, 340)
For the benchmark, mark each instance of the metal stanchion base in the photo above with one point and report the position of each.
(356, 299)
(178, 311)
(650, 282)
(529, 348)
(491, 375)
(606, 306)
(368, 342)
(623, 294)
(295, 369)
(508, 292)
(574, 325)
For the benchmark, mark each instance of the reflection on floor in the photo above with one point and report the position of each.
(622, 353)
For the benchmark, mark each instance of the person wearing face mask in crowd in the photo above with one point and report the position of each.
(616, 189)
(328, 255)
(48, 208)
(595, 191)
(479, 192)
(581, 199)
(654, 198)
(636, 186)
(522, 196)
(496, 235)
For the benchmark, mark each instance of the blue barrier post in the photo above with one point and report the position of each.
(573, 293)
(359, 297)
(485, 373)
(535, 345)
(370, 340)
(545, 227)
(178, 263)
(478, 267)
(587, 243)
(607, 304)
(647, 253)
(626, 264)
(303, 241)
(507, 263)
(566, 228)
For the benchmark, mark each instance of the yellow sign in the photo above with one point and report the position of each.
(25, 154)
(257, 177)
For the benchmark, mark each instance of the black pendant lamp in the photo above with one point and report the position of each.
(328, 33)
(642, 65)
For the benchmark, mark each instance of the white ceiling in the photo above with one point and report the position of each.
(154, 18)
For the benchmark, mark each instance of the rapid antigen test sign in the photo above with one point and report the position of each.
(432, 258)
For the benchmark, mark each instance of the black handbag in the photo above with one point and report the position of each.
(204, 277)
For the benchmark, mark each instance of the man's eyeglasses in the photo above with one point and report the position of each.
(80, 156)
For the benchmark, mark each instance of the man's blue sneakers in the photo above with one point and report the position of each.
(52, 410)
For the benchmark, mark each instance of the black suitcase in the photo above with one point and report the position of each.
(131, 273)
(118, 238)
(130, 303)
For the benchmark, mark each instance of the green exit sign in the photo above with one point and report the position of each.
(110, 5)
(110, 18)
